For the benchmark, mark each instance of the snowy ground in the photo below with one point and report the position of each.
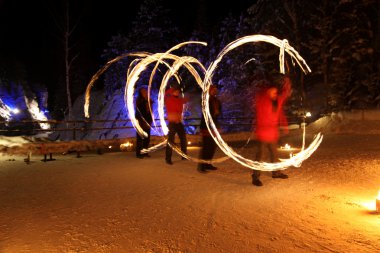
(117, 203)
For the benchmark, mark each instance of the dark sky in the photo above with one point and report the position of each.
(29, 33)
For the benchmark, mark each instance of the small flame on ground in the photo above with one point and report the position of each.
(126, 145)
(287, 147)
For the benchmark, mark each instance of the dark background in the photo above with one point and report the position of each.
(31, 37)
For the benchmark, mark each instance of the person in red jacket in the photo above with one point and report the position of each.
(269, 116)
(174, 109)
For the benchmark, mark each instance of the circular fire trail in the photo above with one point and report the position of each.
(145, 59)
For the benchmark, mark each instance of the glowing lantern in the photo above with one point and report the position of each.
(286, 147)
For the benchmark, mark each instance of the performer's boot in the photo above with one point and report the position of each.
(255, 178)
(279, 174)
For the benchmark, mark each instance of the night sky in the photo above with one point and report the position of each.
(30, 35)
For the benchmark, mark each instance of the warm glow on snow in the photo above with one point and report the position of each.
(369, 205)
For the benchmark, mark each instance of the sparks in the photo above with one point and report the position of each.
(297, 159)
(140, 65)
(132, 78)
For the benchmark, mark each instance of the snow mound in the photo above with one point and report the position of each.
(13, 141)
(363, 122)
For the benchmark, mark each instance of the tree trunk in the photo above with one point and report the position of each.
(67, 62)
(291, 9)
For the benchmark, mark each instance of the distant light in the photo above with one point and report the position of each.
(109, 146)
(15, 111)
(308, 114)
(189, 143)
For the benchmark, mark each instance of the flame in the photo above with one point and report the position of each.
(139, 66)
(286, 147)
(126, 145)
(284, 46)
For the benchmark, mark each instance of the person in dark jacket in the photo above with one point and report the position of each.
(208, 143)
(144, 118)
(269, 116)
(174, 108)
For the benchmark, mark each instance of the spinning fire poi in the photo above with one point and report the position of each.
(187, 61)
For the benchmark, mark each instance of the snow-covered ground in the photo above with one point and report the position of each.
(117, 203)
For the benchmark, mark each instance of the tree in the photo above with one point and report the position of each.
(68, 31)
(284, 20)
(339, 45)
(68, 36)
(115, 76)
(334, 37)
(234, 74)
(152, 31)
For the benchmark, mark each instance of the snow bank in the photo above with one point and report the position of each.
(336, 123)
(354, 122)
(13, 141)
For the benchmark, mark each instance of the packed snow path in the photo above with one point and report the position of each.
(117, 203)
